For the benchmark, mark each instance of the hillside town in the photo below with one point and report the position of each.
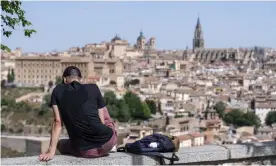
(201, 95)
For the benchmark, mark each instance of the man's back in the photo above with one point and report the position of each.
(78, 105)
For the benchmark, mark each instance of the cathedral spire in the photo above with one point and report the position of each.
(198, 41)
(198, 19)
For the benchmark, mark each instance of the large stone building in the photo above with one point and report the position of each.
(208, 55)
(142, 43)
(198, 41)
(39, 70)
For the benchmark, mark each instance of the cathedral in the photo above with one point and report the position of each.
(143, 44)
(208, 55)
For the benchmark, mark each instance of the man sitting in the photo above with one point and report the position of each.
(80, 107)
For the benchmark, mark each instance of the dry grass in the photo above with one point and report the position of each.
(6, 152)
(13, 93)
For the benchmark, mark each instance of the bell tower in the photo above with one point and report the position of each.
(198, 41)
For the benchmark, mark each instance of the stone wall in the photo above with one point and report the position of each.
(250, 153)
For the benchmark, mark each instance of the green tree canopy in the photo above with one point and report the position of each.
(238, 118)
(270, 118)
(152, 106)
(110, 98)
(113, 110)
(134, 104)
(47, 99)
(146, 112)
(58, 80)
(220, 107)
(12, 18)
(11, 76)
(3, 83)
(123, 114)
(138, 110)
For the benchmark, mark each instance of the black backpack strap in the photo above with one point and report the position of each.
(121, 149)
(162, 157)
(174, 158)
(154, 154)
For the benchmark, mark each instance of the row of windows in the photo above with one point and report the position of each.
(79, 65)
(38, 70)
(32, 76)
(29, 64)
(34, 81)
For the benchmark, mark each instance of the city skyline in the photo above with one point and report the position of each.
(251, 24)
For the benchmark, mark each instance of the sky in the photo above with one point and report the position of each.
(61, 25)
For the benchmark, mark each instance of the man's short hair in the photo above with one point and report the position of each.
(72, 71)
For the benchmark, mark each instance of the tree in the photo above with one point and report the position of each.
(44, 108)
(270, 118)
(152, 106)
(113, 110)
(134, 104)
(3, 83)
(251, 119)
(59, 80)
(10, 76)
(110, 98)
(47, 99)
(238, 118)
(123, 114)
(13, 17)
(111, 103)
(234, 117)
(146, 114)
(50, 84)
(220, 107)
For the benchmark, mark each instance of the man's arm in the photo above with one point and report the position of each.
(55, 133)
(56, 129)
(101, 114)
(101, 104)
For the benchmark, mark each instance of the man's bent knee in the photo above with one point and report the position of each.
(64, 146)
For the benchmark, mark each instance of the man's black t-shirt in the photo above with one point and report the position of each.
(78, 105)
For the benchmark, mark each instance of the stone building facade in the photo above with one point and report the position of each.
(142, 43)
(209, 55)
(40, 70)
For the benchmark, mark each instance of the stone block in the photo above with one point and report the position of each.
(201, 154)
(247, 150)
(36, 146)
(111, 159)
(16, 144)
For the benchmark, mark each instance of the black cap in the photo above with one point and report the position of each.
(72, 71)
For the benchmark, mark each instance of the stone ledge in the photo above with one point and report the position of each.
(249, 150)
(208, 154)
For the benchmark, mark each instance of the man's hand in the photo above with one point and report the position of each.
(46, 156)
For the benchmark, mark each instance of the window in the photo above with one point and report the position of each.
(111, 70)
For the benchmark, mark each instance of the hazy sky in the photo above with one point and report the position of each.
(61, 25)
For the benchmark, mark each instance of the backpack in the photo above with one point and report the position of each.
(153, 145)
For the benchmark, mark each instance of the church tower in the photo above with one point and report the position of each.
(141, 41)
(198, 41)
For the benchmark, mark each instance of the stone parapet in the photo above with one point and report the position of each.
(249, 153)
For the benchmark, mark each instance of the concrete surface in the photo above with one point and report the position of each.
(251, 153)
